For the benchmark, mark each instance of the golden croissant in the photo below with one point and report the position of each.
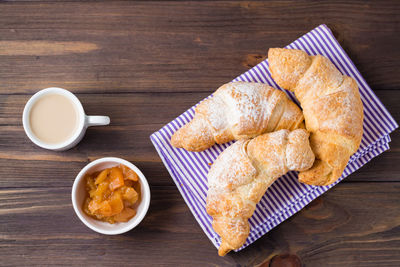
(243, 172)
(332, 109)
(238, 110)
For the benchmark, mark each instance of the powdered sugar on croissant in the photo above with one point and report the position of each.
(242, 173)
(238, 110)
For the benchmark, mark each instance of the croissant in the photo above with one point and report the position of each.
(238, 110)
(332, 109)
(243, 172)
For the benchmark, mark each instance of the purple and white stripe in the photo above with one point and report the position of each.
(286, 196)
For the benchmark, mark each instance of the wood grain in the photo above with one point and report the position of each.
(25, 48)
(146, 110)
(143, 63)
(147, 47)
(134, 117)
(355, 231)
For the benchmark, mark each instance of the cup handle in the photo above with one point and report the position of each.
(97, 120)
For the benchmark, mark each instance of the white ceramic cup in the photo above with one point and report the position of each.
(78, 195)
(84, 121)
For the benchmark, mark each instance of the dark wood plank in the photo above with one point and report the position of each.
(148, 110)
(348, 226)
(144, 63)
(169, 46)
(134, 117)
(37, 169)
(357, 231)
(53, 174)
(143, 109)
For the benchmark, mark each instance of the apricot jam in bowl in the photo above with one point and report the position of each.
(110, 196)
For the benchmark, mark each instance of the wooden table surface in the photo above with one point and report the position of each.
(144, 63)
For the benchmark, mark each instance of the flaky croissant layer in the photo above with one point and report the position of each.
(332, 109)
(238, 110)
(243, 172)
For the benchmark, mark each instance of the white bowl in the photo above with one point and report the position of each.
(78, 197)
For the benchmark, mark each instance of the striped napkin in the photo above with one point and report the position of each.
(286, 196)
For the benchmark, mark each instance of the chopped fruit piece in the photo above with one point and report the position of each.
(125, 215)
(105, 209)
(102, 176)
(129, 174)
(93, 206)
(92, 193)
(116, 178)
(101, 190)
(128, 183)
(130, 195)
(90, 183)
(116, 203)
(112, 194)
